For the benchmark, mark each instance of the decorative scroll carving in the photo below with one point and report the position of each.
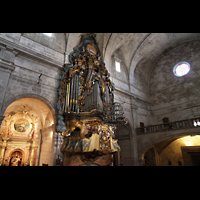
(77, 82)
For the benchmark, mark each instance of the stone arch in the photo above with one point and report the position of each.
(148, 142)
(129, 127)
(123, 128)
(19, 96)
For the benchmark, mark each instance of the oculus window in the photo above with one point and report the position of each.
(181, 69)
(48, 34)
(117, 66)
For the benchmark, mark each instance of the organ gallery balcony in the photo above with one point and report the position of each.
(170, 126)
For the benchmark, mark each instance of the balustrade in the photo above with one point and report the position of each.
(177, 125)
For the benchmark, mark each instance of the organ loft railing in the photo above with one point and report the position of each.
(170, 126)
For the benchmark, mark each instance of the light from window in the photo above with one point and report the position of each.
(181, 69)
(196, 122)
(117, 65)
(48, 34)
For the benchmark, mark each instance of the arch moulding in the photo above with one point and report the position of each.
(19, 96)
(145, 142)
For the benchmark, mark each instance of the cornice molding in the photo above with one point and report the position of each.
(30, 53)
(5, 66)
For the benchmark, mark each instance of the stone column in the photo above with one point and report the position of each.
(134, 108)
(2, 154)
(3, 147)
(27, 155)
(33, 151)
(32, 156)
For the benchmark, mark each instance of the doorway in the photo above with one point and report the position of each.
(195, 158)
(191, 155)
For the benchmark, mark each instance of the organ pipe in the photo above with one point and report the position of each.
(71, 95)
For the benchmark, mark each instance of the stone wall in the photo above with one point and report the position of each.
(55, 42)
(123, 136)
(169, 96)
(23, 60)
(172, 96)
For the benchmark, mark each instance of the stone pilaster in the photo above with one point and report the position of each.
(3, 147)
(134, 108)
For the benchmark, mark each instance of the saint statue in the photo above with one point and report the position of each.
(15, 160)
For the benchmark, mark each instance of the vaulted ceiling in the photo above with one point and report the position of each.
(140, 50)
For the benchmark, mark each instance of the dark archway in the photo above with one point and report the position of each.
(174, 152)
(123, 136)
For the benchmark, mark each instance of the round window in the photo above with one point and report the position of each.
(181, 69)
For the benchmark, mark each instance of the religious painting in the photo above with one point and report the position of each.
(21, 125)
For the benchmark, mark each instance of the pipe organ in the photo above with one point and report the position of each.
(85, 106)
(72, 92)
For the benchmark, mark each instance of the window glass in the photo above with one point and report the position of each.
(181, 69)
(48, 34)
(117, 66)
